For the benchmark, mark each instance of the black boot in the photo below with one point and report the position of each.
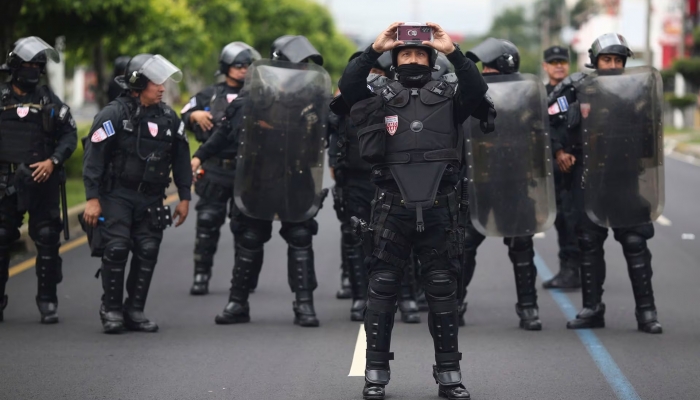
(345, 291)
(379, 322)
(589, 318)
(302, 280)
(234, 313)
(304, 313)
(354, 259)
(640, 273)
(201, 284)
(446, 371)
(208, 232)
(111, 312)
(525, 275)
(49, 275)
(647, 321)
(592, 278)
(139, 281)
(567, 278)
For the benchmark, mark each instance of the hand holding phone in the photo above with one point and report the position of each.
(387, 39)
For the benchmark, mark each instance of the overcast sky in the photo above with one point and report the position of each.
(367, 18)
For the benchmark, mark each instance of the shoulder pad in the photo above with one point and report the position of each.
(564, 86)
(450, 78)
(376, 82)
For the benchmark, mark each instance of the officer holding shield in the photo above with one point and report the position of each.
(411, 134)
(202, 114)
(281, 119)
(614, 153)
(37, 136)
(134, 144)
(510, 173)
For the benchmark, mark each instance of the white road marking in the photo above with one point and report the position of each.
(540, 235)
(664, 221)
(688, 236)
(358, 359)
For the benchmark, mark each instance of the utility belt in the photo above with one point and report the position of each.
(143, 187)
(7, 188)
(225, 163)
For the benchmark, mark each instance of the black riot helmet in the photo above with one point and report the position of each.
(236, 54)
(146, 67)
(442, 66)
(383, 62)
(296, 49)
(610, 43)
(432, 53)
(31, 50)
(499, 54)
(120, 64)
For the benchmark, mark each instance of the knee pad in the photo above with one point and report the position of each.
(299, 236)
(520, 243)
(47, 235)
(633, 243)
(439, 284)
(6, 236)
(588, 242)
(117, 251)
(348, 236)
(385, 283)
(147, 249)
(208, 219)
(251, 239)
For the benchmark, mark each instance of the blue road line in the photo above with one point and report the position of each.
(618, 381)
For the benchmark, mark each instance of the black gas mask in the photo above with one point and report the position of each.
(26, 78)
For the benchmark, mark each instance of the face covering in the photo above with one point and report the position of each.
(26, 78)
(414, 75)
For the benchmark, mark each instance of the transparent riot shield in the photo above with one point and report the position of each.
(511, 186)
(622, 125)
(280, 163)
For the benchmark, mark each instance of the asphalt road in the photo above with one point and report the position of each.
(270, 358)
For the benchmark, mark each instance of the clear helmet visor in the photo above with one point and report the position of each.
(29, 47)
(609, 40)
(232, 50)
(158, 70)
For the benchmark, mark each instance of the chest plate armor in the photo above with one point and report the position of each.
(145, 154)
(411, 131)
(22, 137)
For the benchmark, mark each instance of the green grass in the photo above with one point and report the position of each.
(75, 191)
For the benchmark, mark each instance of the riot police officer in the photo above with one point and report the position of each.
(352, 195)
(556, 65)
(114, 90)
(134, 143)
(411, 135)
(283, 117)
(501, 61)
(37, 136)
(348, 289)
(201, 115)
(612, 141)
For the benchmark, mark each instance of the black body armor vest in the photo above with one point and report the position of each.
(22, 135)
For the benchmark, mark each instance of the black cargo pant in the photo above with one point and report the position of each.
(128, 228)
(215, 191)
(41, 200)
(355, 196)
(565, 223)
(251, 234)
(591, 238)
(437, 249)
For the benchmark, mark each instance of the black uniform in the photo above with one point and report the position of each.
(33, 128)
(215, 187)
(128, 158)
(569, 253)
(413, 138)
(591, 236)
